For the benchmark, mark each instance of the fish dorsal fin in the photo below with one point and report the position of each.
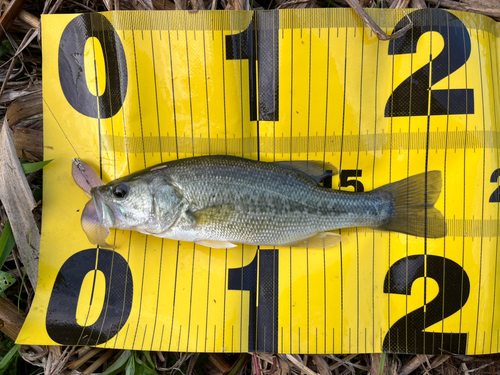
(92, 227)
(315, 169)
(216, 244)
(321, 240)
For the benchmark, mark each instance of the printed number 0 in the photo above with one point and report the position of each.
(406, 335)
(411, 97)
(61, 323)
(72, 66)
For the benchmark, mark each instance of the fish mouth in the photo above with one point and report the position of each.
(104, 212)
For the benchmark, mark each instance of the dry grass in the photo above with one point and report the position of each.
(20, 77)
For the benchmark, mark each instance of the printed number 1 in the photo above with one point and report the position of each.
(263, 316)
(258, 44)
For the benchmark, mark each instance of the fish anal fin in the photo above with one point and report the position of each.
(321, 240)
(216, 244)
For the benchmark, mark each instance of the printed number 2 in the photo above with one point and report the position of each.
(406, 335)
(495, 197)
(411, 97)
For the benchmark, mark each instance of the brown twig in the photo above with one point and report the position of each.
(10, 320)
(455, 5)
(373, 25)
(10, 14)
(27, 17)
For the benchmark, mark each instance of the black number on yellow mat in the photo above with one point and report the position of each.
(495, 197)
(263, 317)
(406, 335)
(411, 97)
(258, 44)
(72, 66)
(61, 323)
(345, 182)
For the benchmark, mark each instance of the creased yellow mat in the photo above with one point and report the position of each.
(127, 90)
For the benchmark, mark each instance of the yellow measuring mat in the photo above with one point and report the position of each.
(128, 90)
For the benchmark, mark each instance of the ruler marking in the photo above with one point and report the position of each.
(390, 180)
(157, 295)
(206, 86)
(208, 298)
(373, 186)
(356, 176)
(444, 185)
(106, 59)
(307, 158)
(250, 62)
(224, 91)
(173, 100)
(124, 292)
(324, 162)
(495, 100)
(190, 94)
(144, 337)
(465, 189)
(457, 140)
(142, 289)
(224, 318)
(340, 168)
(156, 97)
(482, 199)
(138, 100)
(97, 105)
(191, 301)
(173, 303)
(250, 304)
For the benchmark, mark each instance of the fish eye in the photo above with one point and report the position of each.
(120, 191)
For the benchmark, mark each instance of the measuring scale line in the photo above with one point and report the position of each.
(438, 140)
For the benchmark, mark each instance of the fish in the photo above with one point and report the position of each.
(220, 201)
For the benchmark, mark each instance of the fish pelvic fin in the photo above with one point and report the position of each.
(216, 244)
(321, 240)
(413, 210)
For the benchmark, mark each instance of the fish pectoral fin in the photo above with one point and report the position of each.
(92, 227)
(216, 244)
(316, 170)
(215, 214)
(321, 240)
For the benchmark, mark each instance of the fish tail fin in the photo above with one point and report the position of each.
(413, 210)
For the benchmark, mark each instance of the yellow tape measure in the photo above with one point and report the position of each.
(133, 89)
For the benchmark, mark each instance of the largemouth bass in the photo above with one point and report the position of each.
(221, 201)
